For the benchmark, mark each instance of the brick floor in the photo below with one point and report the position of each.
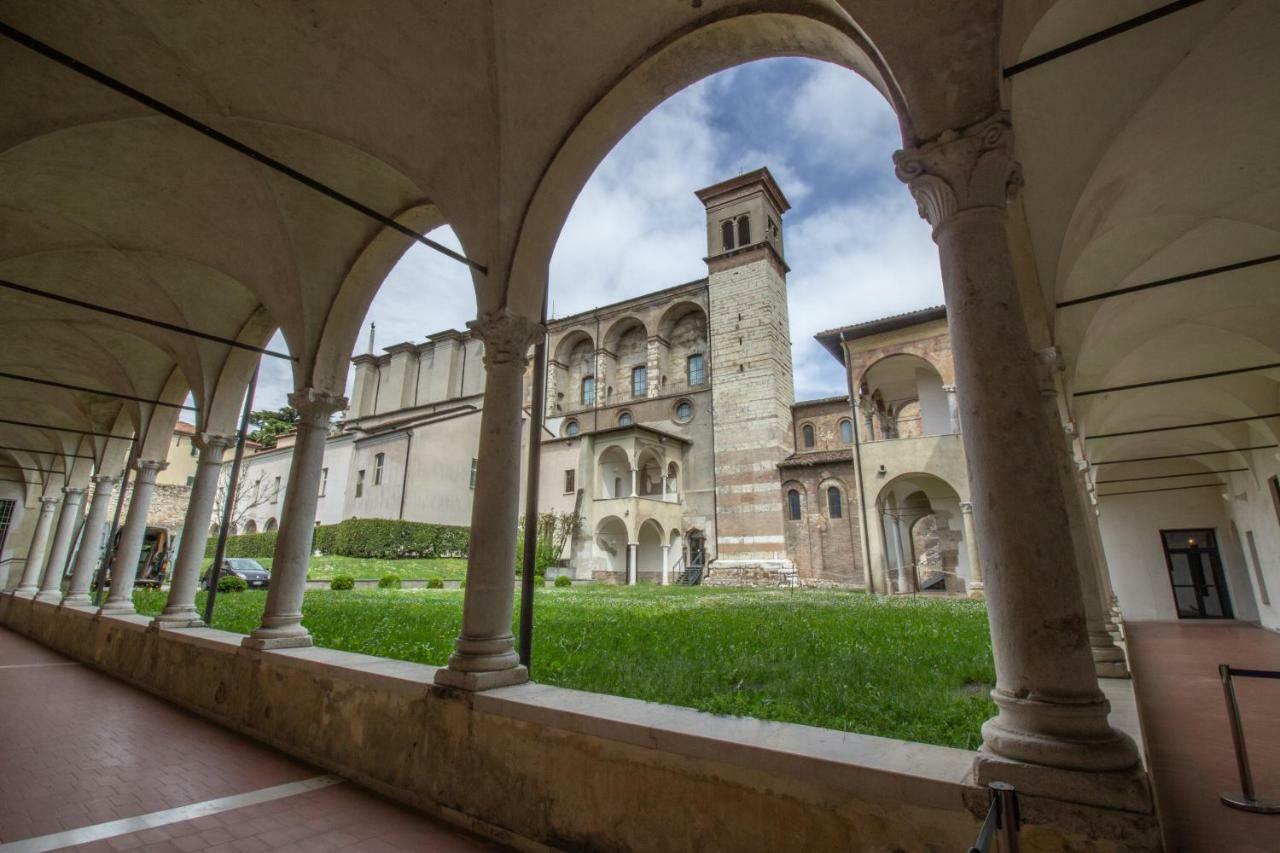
(1184, 720)
(78, 748)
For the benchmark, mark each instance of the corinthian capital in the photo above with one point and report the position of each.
(315, 407)
(507, 337)
(962, 170)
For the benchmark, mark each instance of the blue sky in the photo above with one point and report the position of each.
(856, 246)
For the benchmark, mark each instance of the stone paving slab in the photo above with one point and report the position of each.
(80, 749)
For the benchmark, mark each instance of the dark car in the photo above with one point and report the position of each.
(249, 571)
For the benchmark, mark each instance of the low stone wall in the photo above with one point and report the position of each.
(543, 767)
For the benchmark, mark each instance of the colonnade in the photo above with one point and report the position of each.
(1047, 603)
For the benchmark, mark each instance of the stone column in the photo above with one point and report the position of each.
(180, 609)
(484, 654)
(635, 476)
(124, 567)
(32, 570)
(1050, 710)
(631, 563)
(281, 626)
(974, 586)
(664, 488)
(63, 535)
(666, 564)
(953, 408)
(86, 564)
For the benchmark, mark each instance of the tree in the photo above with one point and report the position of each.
(555, 530)
(270, 423)
(250, 494)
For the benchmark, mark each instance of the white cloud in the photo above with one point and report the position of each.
(839, 117)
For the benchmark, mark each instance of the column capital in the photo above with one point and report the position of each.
(49, 502)
(961, 170)
(949, 389)
(966, 507)
(507, 337)
(156, 465)
(101, 480)
(71, 491)
(315, 407)
(213, 442)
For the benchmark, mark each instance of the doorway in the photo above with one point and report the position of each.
(1195, 571)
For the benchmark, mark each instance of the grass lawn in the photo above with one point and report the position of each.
(325, 568)
(897, 667)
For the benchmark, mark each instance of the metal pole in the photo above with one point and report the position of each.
(1247, 799)
(228, 505)
(536, 411)
(1009, 819)
(109, 552)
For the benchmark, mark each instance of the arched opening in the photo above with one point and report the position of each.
(625, 361)
(615, 473)
(923, 535)
(251, 526)
(807, 439)
(726, 235)
(271, 525)
(610, 548)
(683, 347)
(795, 505)
(650, 470)
(649, 543)
(744, 231)
(571, 379)
(903, 397)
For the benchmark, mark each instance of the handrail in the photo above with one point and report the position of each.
(1247, 800)
(1002, 816)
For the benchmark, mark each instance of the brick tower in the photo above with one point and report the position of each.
(752, 386)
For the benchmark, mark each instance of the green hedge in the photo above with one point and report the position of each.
(374, 538)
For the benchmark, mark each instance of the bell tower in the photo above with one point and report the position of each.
(752, 387)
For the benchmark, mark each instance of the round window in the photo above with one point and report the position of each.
(571, 428)
(625, 419)
(684, 411)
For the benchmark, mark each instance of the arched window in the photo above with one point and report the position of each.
(588, 390)
(834, 510)
(806, 433)
(625, 419)
(726, 234)
(793, 505)
(744, 230)
(846, 431)
(571, 428)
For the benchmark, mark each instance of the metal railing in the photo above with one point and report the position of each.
(1247, 799)
(1001, 823)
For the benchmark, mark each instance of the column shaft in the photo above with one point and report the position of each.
(631, 563)
(1050, 710)
(33, 569)
(91, 541)
(484, 653)
(55, 566)
(124, 567)
(180, 609)
(974, 586)
(666, 564)
(282, 618)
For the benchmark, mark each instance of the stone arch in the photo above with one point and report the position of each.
(650, 468)
(683, 333)
(626, 347)
(793, 501)
(650, 537)
(574, 365)
(902, 397)
(610, 545)
(714, 44)
(613, 465)
(920, 518)
(271, 525)
(250, 526)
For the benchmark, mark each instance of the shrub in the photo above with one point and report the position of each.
(342, 582)
(435, 583)
(374, 538)
(563, 580)
(462, 584)
(390, 580)
(231, 583)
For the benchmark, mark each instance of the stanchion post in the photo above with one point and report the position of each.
(1247, 799)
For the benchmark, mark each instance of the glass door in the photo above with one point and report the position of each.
(1195, 571)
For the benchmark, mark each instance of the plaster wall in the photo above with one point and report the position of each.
(1130, 527)
(1255, 508)
(707, 783)
(182, 461)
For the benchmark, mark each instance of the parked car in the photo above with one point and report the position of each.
(248, 570)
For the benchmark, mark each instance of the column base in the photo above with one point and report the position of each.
(976, 590)
(1111, 669)
(477, 682)
(118, 608)
(1126, 790)
(292, 641)
(79, 600)
(25, 593)
(163, 622)
(49, 597)
(1067, 734)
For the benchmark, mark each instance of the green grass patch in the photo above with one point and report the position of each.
(915, 669)
(327, 568)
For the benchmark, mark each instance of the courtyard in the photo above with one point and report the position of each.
(915, 669)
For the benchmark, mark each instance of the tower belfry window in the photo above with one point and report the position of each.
(744, 230)
(726, 234)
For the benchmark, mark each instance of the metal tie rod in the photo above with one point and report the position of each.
(46, 452)
(68, 387)
(65, 429)
(1184, 455)
(1184, 426)
(1247, 799)
(1177, 279)
(50, 52)
(159, 324)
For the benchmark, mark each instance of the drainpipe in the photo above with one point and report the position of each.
(857, 470)
(404, 482)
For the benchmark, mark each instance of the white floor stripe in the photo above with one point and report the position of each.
(98, 832)
(34, 665)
